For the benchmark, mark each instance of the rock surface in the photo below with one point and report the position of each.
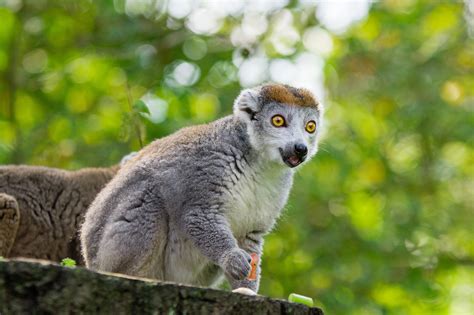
(40, 287)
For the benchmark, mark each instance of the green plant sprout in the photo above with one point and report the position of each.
(296, 298)
(68, 262)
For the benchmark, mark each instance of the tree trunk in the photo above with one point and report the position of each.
(40, 287)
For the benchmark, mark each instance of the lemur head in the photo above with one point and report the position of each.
(283, 122)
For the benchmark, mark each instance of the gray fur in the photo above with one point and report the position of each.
(199, 201)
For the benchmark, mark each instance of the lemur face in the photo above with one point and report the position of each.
(283, 122)
(286, 133)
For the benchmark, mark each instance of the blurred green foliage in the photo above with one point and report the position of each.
(379, 223)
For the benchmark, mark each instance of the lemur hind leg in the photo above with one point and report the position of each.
(9, 223)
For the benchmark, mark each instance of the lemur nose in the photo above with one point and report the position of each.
(301, 149)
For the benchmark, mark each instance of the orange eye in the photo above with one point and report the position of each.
(311, 126)
(278, 121)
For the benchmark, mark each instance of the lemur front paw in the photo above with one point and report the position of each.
(236, 263)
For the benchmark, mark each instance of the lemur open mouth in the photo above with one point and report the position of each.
(292, 160)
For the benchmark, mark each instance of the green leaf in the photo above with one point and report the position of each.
(68, 262)
(140, 107)
(296, 298)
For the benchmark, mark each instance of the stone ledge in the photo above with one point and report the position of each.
(41, 287)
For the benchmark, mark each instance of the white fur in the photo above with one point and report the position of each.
(185, 262)
(246, 99)
(257, 199)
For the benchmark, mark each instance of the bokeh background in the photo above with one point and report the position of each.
(380, 222)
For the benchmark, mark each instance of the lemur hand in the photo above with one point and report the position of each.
(236, 263)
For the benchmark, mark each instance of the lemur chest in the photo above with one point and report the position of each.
(256, 202)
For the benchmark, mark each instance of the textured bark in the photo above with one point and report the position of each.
(38, 287)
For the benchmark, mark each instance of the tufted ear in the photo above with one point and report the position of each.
(247, 104)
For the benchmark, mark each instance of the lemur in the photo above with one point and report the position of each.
(41, 209)
(194, 205)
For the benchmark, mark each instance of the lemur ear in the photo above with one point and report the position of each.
(247, 104)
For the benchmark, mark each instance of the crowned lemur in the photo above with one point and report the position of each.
(198, 202)
(41, 209)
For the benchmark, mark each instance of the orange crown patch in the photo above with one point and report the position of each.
(289, 95)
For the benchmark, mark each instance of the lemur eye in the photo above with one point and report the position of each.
(311, 126)
(278, 121)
